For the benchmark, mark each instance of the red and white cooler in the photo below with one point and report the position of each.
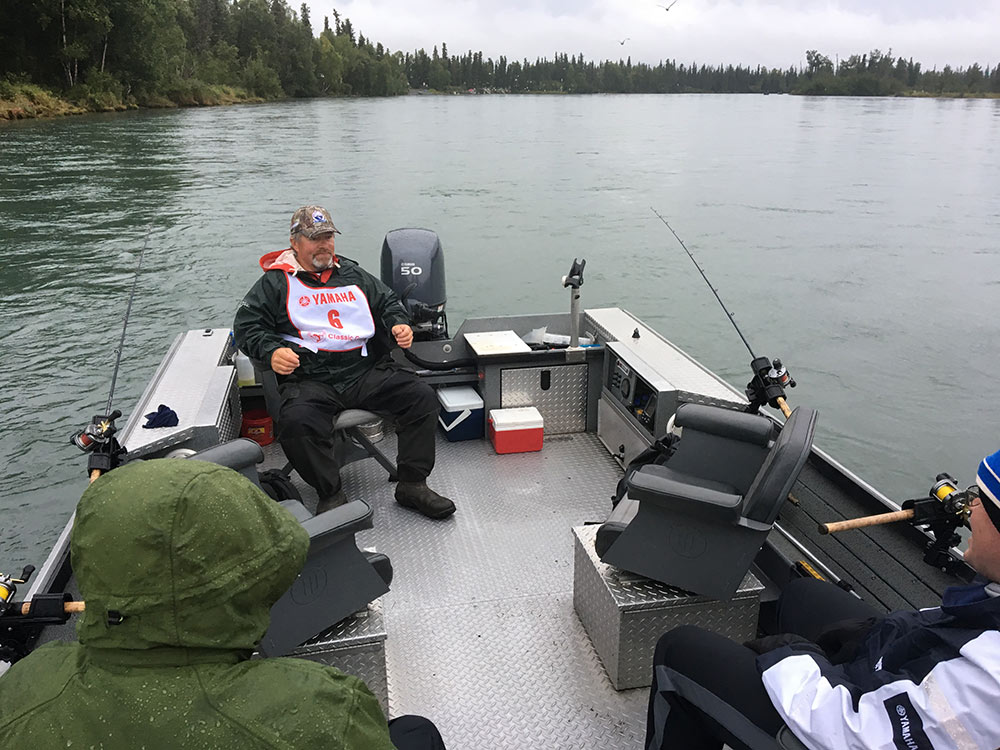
(515, 430)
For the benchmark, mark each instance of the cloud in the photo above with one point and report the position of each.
(773, 33)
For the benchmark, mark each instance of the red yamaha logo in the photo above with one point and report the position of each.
(304, 301)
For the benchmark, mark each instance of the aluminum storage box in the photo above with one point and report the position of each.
(355, 646)
(197, 381)
(461, 415)
(625, 614)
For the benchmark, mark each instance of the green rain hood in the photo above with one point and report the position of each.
(179, 562)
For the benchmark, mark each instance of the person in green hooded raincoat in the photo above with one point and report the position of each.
(179, 562)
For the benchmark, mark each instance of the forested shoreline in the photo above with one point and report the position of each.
(71, 56)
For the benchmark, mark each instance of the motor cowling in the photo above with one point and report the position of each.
(413, 267)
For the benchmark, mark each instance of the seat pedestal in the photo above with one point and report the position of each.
(355, 646)
(625, 614)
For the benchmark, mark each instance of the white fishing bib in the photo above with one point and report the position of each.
(329, 319)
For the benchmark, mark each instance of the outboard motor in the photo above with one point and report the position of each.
(413, 267)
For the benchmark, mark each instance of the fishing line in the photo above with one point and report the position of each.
(770, 377)
(128, 311)
(715, 291)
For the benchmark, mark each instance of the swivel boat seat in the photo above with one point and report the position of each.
(697, 521)
(349, 442)
(337, 580)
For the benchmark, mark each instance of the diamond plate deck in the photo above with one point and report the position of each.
(481, 633)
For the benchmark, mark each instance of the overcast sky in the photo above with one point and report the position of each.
(774, 33)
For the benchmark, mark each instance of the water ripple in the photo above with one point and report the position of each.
(855, 239)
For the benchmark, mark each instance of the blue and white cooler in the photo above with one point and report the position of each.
(461, 413)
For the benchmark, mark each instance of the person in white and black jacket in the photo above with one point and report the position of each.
(909, 680)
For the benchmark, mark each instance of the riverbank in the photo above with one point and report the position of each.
(26, 101)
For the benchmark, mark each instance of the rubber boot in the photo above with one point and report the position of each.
(330, 502)
(421, 498)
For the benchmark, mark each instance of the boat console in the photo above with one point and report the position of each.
(645, 378)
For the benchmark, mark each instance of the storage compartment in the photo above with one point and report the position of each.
(625, 614)
(355, 646)
(516, 430)
(461, 415)
(197, 381)
(559, 392)
(623, 439)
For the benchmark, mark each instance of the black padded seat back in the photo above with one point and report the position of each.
(724, 444)
(337, 580)
(697, 521)
(738, 425)
(241, 454)
(781, 467)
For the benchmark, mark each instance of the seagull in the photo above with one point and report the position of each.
(622, 41)
(667, 7)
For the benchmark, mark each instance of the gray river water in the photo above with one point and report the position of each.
(857, 239)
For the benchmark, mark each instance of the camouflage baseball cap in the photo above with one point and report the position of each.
(311, 222)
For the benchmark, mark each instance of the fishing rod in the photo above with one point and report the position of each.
(770, 377)
(943, 510)
(825, 570)
(97, 438)
(20, 622)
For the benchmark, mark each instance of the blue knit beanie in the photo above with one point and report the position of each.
(988, 480)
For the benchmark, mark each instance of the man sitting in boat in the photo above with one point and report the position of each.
(926, 680)
(179, 562)
(326, 326)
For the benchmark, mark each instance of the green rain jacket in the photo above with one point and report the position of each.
(262, 319)
(190, 557)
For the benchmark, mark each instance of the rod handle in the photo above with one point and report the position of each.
(784, 407)
(860, 523)
(70, 608)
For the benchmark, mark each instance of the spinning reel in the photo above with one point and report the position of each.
(768, 385)
(98, 439)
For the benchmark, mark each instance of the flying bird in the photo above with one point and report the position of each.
(622, 41)
(667, 7)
